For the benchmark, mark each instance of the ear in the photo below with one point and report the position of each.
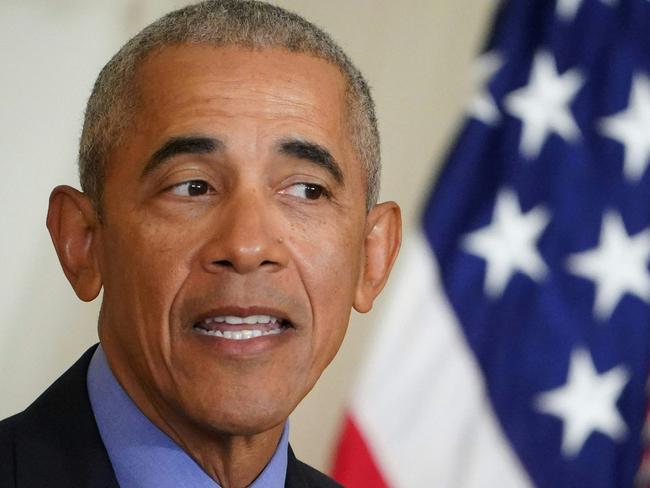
(73, 225)
(381, 245)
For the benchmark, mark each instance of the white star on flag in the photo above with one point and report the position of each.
(586, 403)
(631, 128)
(509, 243)
(618, 265)
(543, 105)
(482, 106)
(567, 9)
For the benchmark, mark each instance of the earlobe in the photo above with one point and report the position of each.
(382, 242)
(73, 225)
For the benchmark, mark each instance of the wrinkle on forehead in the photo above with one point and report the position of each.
(234, 81)
(241, 71)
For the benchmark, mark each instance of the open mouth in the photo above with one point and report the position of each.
(238, 328)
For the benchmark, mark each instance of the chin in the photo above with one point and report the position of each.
(244, 423)
(243, 415)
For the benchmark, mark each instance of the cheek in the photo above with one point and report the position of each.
(329, 263)
(328, 255)
(145, 266)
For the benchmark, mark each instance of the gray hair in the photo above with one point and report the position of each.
(247, 23)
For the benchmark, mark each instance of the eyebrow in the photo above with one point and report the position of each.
(182, 145)
(310, 151)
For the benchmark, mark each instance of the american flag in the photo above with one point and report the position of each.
(517, 348)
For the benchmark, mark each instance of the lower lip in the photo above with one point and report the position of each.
(243, 347)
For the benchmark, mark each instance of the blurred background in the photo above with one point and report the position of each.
(415, 53)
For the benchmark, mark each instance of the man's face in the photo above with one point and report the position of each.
(236, 197)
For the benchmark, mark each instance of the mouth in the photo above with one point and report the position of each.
(241, 327)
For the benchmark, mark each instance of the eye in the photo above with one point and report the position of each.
(192, 188)
(308, 191)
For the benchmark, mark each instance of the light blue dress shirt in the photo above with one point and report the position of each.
(145, 457)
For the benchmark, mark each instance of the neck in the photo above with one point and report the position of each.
(234, 461)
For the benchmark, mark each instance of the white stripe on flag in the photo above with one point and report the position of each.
(420, 401)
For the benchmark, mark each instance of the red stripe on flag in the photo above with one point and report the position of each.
(354, 466)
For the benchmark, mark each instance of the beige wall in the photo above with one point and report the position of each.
(415, 53)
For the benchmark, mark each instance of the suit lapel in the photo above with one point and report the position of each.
(295, 477)
(57, 441)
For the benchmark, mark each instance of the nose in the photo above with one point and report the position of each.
(245, 237)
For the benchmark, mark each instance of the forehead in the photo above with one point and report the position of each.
(201, 84)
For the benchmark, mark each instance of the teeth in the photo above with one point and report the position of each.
(243, 333)
(238, 335)
(250, 320)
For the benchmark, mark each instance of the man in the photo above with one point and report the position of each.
(229, 162)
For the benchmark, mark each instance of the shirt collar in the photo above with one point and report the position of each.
(141, 454)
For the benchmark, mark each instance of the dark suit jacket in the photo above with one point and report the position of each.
(55, 443)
